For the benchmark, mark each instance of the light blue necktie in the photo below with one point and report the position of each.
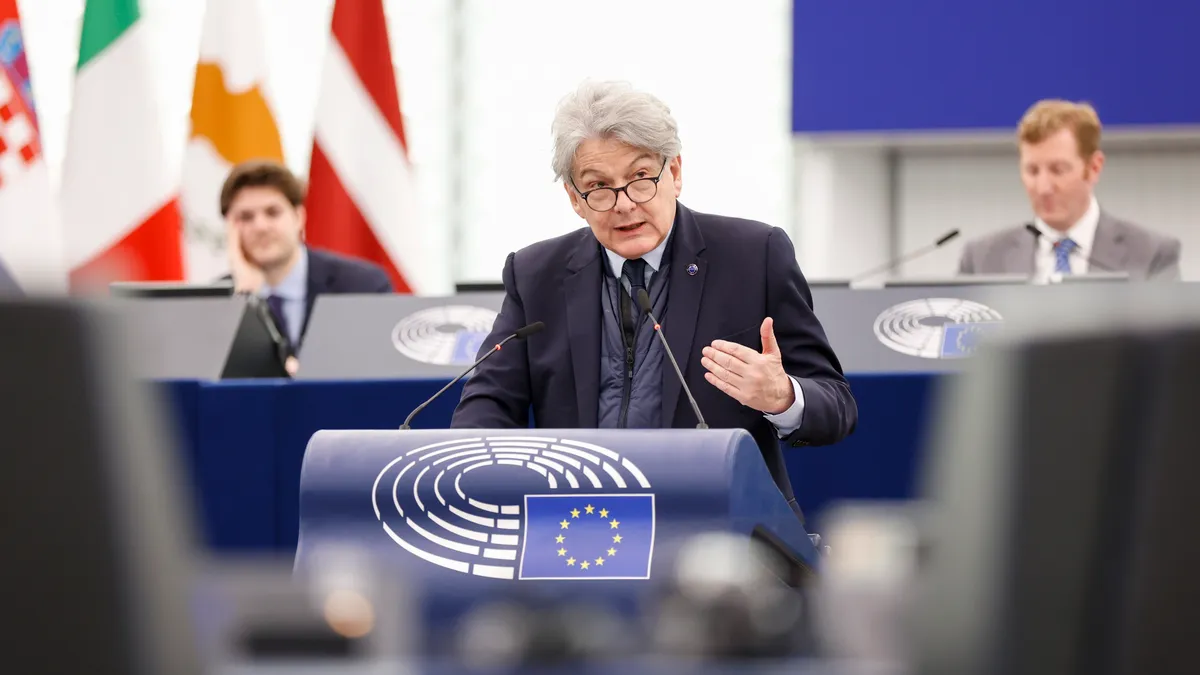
(1062, 254)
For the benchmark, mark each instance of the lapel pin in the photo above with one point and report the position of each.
(692, 269)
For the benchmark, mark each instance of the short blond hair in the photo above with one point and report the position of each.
(1047, 117)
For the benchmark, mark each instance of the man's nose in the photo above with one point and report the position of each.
(624, 203)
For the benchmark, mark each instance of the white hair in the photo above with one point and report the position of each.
(611, 110)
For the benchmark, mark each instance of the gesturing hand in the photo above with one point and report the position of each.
(754, 380)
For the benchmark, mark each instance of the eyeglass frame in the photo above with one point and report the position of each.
(617, 191)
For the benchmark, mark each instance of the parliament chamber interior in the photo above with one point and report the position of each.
(379, 336)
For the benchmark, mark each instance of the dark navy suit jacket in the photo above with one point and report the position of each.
(745, 272)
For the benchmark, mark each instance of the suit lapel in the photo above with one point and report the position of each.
(684, 292)
(581, 295)
(1020, 252)
(1109, 250)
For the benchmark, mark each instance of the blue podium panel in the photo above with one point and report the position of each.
(543, 506)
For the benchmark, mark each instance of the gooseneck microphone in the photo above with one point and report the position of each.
(911, 255)
(643, 299)
(521, 334)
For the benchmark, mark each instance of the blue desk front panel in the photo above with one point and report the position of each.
(229, 433)
(245, 442)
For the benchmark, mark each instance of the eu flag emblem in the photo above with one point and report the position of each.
(588, 537)
(962, 339)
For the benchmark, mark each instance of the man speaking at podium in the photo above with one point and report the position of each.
(733, 304)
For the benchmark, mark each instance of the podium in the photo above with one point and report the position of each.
(472, 514)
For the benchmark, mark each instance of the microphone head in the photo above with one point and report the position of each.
(643, 300)
(947, 237)
(526, 331)
(1032, 229)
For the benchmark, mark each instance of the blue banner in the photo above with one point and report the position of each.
(883, 65)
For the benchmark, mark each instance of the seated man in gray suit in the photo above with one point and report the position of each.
(1060, 165)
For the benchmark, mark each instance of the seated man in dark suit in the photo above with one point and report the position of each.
(263, 206)
(734, 306)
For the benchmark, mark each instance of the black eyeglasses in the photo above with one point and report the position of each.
(639, 191)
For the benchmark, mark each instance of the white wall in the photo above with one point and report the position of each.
(843, 209)
(724, 69)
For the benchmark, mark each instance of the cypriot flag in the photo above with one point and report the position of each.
(231, 123)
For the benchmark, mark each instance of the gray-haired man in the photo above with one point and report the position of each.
(733, 303)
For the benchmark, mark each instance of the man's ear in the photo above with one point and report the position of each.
(576, 200)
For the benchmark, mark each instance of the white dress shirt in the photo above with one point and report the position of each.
(1083, 233)
(785, 422)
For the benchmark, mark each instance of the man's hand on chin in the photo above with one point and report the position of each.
(755, 380)
(247, 277)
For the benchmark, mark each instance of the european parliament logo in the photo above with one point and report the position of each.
(588, 537)
(447, 335)
(936, 328)
(592, 517)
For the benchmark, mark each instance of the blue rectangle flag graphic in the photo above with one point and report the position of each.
(962, 339)
(573, 537)
(466, 346)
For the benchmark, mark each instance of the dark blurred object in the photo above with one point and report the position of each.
(1063, 498)
(8, 283)
(863, 596)
(342, 610)
(479, 287)
(96, 544)
(529, 631)
(203, 338)
(163, 289)
(730, 598)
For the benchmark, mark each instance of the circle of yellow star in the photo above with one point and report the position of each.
(614, 524)
(603, 513)
(565, 524)
(589, 508)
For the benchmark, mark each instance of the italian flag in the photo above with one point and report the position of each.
(119, 203)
